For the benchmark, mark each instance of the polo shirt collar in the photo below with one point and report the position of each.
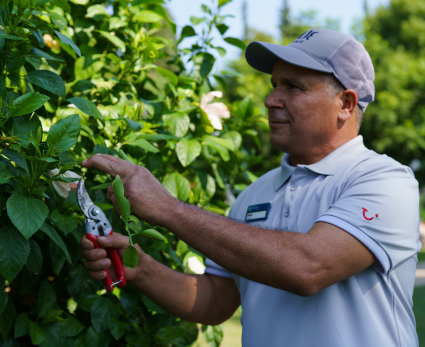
(329, 165)
(284, 173)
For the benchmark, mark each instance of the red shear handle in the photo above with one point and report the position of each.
(116, 262)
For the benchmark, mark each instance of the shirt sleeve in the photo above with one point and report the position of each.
(215, 269)
(380, 207)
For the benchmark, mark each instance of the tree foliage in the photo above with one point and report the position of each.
(85, 77)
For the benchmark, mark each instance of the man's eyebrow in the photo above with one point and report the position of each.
(292, 80)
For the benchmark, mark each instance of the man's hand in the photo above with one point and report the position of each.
(147, 197)
(97, 260)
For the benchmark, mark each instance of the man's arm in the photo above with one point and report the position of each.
(205, 299)
(302, 264)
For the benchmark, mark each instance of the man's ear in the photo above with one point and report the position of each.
(349, 103)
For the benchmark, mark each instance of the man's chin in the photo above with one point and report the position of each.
(280, 142)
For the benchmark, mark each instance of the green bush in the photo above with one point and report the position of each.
(85, 77)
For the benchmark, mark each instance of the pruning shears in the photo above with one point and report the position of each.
(97, 225)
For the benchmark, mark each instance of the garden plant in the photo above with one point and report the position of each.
(84, 77)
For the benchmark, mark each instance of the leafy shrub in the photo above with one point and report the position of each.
(107, 77)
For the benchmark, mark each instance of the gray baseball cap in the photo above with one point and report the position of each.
(321, 50)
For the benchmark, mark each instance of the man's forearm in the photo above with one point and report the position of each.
(240, 247)
(190, 297)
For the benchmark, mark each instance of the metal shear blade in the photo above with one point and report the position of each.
(83, 198)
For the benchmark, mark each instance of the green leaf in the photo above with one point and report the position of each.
(206, 9)
(39, 36)
(197, 20)
(58, 20)
(5, 173)
(27, 103)
(115, 23)
(147, 146)
(117, 328)
(152, 234)
(235, 137)
(135, 126)
(7, 318)
(170, 335)
(187, 151)
(177, 185)
(4, 296)
(124, 156)
(222, 28)
(15, 63)
(245, 108)
(177, 122)
(122, 202)
(102, 310)
(37, 333)
(39, 53)
(26, 214)
(47, 80)
(86, 106)
(67, 41)
(63, 222)
(53, 234)
(147, 16)
(58, 259)
(205, 187)
(114, 39)
(131, 257)
(96, 10)
(102, 186)
(171, 76)
(104, 150)
(71, 327)
(187, 31)
(35, 258)
(92, 338)
(223, 151)
(223, 2)
(218, 176)
(213, 335)
(15, 157)
(140, 339)
(22, 324)
(235, 42)
(46, 298)
(24, 126)
(3, 90)
(63, 4)
(3, 35)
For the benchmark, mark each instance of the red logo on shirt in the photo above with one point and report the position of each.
(364, 214)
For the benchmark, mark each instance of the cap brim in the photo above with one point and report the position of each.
(262, 56)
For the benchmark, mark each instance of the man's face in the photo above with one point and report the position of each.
(302, 115)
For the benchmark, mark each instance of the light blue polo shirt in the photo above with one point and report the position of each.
(370, 196)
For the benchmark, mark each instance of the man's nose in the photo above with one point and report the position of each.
(274, 100)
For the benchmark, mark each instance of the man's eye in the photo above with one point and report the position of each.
(293, 86)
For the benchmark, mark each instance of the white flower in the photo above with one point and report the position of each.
(216, 110)
(195, 265)
(63, 188)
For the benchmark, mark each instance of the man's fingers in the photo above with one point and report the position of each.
(97, 265)
(85, 243)
(115, 241)
(107, 163)
(93, 254)
(97, 275)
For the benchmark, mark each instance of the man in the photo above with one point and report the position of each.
(319, 252)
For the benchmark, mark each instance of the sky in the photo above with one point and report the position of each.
(263, 15)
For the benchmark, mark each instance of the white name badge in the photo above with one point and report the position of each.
(257, 212)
